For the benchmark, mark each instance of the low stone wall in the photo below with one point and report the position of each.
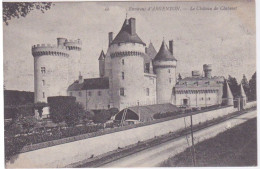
(251, 104)
(65, 154)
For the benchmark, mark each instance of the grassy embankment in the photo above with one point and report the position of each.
(234, 147)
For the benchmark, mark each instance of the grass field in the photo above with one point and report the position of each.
(234, 147)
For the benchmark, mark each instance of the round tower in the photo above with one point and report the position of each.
(74, 49)
(127, 63)
(164, 65)
(50, 71)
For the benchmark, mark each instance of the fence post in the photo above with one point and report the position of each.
(238, 104)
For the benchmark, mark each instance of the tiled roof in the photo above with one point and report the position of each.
(150, 51)
(90, 84)
(164, 53)
(102, 56)
(125, 35)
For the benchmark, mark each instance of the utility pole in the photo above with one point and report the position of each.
(192, 141)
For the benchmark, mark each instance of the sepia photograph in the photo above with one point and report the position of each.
(123, 84)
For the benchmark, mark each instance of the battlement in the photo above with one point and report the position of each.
(48, 49)
(73, 44)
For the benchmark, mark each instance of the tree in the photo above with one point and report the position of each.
(252, 85)
(65, 108)
(245, 85)
(179, 77)
(232, 81)
(21, 9)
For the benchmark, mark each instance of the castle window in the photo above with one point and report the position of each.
(170, 80)
(89, 93)
(122, 91)
(147, 92)
(123, 75)
(209, 98)
(202, 98)
(43, 82)
(99, 93)
(169, 70)
(80, 94)
(43, 70)
(147, 67)
(123, 62)
(43, 95)
(70, 93)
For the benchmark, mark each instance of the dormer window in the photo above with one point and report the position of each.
(123, 62)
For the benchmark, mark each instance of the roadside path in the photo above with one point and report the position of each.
(153, 156)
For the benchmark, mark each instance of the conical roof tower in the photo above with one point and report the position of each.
(164, 54)
(102, 55)
(227, 95)
(242, 91)
(164, 65)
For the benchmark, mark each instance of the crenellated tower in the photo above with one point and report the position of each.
(74, 49)
(55, 67)
(164, 65)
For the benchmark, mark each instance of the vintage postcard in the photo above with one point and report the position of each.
(129, 84)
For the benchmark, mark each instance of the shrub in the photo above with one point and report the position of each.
(65, 108)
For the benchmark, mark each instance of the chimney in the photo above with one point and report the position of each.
(110, 38)
(61, 41)
(171, 46)
(132, 26)
(207, 70)
(80, 78)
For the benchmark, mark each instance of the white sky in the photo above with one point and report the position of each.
(225, 39)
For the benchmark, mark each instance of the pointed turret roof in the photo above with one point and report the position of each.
(128, 33)
(102, 55)
(150, 51)
(242, 91)
(164, 53)
(227, 93)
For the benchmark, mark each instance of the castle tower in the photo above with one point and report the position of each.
(127, 66)
(164, 65)
(101, 61)
(74, 50)
(207, 68)
(50, 70)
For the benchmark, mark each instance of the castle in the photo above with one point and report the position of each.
(129, 73)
